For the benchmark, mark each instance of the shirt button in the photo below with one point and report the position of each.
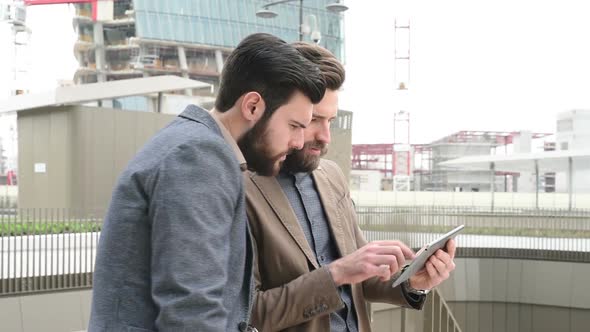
(322, 258)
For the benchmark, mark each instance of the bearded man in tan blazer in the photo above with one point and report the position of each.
(313, 268)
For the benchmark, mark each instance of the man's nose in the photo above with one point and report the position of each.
(323, 134)
(297, 140)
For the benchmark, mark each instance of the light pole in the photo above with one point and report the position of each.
(336, 7)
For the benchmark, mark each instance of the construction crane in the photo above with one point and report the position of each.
(14, 14)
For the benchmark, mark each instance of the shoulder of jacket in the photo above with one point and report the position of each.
(331, 169)
(333, 173)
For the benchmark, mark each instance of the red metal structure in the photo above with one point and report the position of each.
(373, 157)
(381, 156)
(469, 136)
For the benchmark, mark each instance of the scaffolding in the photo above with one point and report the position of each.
(14, 14)
(402, 152)
(110, 50)
(469, 143)
(402, 161)
(427, 175)
(377, 157)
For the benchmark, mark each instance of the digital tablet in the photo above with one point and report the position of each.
(422, 256)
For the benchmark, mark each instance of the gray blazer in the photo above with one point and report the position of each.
(174, 253)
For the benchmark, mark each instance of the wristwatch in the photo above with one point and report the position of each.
(406, 285)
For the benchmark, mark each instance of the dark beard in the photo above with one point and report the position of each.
(256, 149)
(298, 162)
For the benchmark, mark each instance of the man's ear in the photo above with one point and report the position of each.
(252, 107)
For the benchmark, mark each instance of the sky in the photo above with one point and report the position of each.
(503, 65)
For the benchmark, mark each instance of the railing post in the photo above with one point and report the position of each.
(492, 183)
(428, 314)
(403, 320)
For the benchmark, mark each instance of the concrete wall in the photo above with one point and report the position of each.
(50, 312)
(514, 317)
(548, 283)
(71, 156)
(502, 295)
(340, 149)
(486, 294)
(519, 295)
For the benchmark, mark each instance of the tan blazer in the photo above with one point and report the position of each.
(292, 293)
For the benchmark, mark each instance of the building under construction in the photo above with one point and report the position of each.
(428, 175)
(130, 39)
(125, 39)
(468, 143)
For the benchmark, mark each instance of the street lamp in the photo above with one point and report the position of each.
(306, 28)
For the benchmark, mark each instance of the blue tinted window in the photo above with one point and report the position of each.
(225, 23)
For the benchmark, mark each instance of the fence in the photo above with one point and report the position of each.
(549, 234)
(51, 249)
(54, 249)
(438, 315)
(47, 249)
(474, 199)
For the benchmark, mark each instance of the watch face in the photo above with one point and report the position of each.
(424, 291)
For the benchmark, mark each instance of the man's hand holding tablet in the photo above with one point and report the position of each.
(432, 264)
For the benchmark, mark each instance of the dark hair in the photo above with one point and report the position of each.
(331, 68)
(268, 65)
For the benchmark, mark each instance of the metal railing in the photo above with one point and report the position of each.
(548, 234)
(54, 249)
(438, 316)
(435, 316)
(47, 249)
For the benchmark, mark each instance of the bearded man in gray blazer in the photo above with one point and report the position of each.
(174, 253)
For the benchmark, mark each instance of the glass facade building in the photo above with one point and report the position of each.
(225, 23)
(146, 37)
(188, 38)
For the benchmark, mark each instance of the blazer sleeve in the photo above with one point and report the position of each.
(194, 195)
(376, 290)
(302, 299)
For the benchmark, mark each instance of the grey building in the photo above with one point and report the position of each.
(70, 155)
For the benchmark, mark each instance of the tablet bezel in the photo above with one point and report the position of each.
(424, 254)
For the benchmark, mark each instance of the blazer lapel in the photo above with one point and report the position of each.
(329, 202)
(273, 193)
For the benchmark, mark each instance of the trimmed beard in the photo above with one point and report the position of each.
(298, 161)
(255, 147)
